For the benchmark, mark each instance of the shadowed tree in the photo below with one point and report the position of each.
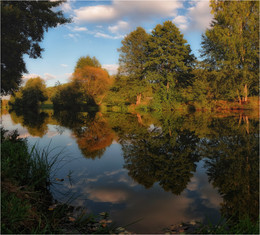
(23, 24)
(30, 96)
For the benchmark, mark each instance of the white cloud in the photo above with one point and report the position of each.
(45, 77)
(26, 77)
(111, 68)
(48, 76)
(64, 65)
(132, 10)
(121, 26)
(95, 13)
(181, 22)
(80, 29)
(74, 36)
(104, 35)
(66, 7)
(200, 16)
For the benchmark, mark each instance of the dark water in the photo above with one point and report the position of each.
(161, 168)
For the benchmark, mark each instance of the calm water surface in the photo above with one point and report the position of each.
(161, 168)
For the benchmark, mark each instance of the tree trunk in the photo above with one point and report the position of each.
(99, 103)
(245, 92)
(139, 118)
(167, 86)
(138, 99)
(239, 98)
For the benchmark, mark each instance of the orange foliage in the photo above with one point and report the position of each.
(97, 137)
(94, 81)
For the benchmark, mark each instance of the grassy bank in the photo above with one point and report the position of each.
(208, 105)
(27, 204)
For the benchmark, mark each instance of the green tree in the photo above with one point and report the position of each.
(231, 47)
(87, 61)
(31, 95)
(70, 97)
(169, 61)
(132, 59)
(23, 24)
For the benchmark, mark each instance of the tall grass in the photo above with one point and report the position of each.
(25, 179)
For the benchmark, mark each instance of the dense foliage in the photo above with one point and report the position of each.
(231, 48)
(87, 61)
(30, 96)
(23, 24)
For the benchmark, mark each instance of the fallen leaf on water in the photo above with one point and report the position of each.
(52, 207)
(71, 219)
(57, 179)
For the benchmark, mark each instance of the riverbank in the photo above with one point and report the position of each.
(252, 104)
(27, 204)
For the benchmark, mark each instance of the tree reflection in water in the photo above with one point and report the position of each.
(233, 167)
(165, 149)
(91, 131)
(34, 121)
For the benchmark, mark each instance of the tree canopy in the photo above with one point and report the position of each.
(92, 81)
(231, 47)
(31, 95)
(87, 61)
(23, 24)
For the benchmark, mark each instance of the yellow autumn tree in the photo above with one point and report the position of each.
(92, 81)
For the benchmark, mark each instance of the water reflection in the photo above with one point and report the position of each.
(91, 131)
(35, 121)
(233, 167)
(141, 157)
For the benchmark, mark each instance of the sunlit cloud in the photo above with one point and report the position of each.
(95, 14)
(107, 195)
(132, 10)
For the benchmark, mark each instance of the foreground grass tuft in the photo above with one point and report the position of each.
(27, 204)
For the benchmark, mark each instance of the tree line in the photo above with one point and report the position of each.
(161, 67)
(159, 70)
(87, 87)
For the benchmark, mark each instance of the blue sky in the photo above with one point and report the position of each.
(98, 28)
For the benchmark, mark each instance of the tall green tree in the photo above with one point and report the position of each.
(231, 47)
(132, 59)
(132, 56)
(169, 56)
(23, 24)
